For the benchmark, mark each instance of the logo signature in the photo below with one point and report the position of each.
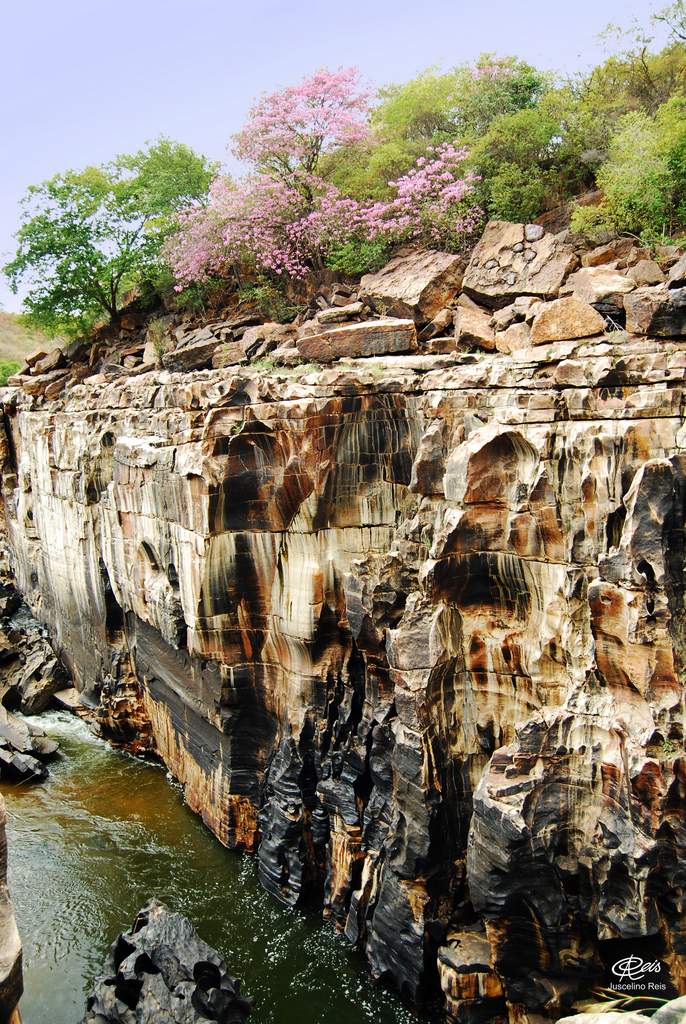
(632, 968)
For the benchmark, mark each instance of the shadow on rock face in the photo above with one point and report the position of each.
(162, 970)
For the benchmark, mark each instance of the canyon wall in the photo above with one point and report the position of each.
(414, 636)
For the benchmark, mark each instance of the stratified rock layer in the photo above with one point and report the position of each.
(415, 636)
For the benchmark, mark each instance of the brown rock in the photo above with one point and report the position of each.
(472, 327)
(440, 345)
(229, 354)
(37, 385)
(659, 311)
(646, 273)
(55, 389)
(52, 361)
(341, 314)
(565, 319)
(600, 287)
(415, 286)
(617, 249)
(370, 338)
(517, 259)
(514, 338)
(194, 357)
(36, 354)
(438, 325)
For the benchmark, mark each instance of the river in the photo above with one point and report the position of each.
(106, 832)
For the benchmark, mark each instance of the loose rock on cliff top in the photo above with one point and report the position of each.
(162, 970)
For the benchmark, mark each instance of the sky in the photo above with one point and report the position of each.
(82, 81)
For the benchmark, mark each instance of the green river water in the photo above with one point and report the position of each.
(105, 833)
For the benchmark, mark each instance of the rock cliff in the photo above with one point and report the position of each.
(411, 627)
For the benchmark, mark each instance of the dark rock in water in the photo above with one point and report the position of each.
(22, 767)
(24, 737)
(162, 971)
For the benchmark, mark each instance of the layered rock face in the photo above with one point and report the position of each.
(415, 636)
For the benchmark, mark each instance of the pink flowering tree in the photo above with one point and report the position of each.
(290, 131)
(285, 218)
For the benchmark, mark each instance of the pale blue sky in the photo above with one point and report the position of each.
(82, 81)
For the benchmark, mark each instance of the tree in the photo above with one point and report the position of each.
(644, 178)
(87, 235)
(292, 130)
(269, 222)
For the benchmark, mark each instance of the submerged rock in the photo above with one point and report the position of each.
(161, 970)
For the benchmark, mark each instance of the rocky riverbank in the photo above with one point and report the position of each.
(407, 621)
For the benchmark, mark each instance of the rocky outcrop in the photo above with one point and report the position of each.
(416, 286)
(517, 259)
(11, 978)
(161, 970)
(410, 628)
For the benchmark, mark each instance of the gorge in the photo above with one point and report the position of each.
(409, 626)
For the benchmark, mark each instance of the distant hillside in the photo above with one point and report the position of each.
(16, 341)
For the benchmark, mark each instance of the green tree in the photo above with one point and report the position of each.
(644, 178)
(88, 235)
(436, 106)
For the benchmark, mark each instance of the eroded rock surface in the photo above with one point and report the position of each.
(11, 977)
(161, 970)
(412, 630)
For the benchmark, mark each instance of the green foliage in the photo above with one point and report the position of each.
(432, 108)
(461, 103)
(518, 195)
(156, 334)
(271, 299)
(7, 368)
(359, 256)
(644, 178)
(89, 235)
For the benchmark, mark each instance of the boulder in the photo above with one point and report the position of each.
(20, 767)
(35, 355)
(472, 327)
(515, 337)
(56, 387)
(339, 314)
(229, 354)
(162, 970)
(33, 672)
(23, 737)
(646, 273)
(677, 275)
(197, 356)
(37, 385)
(617, 249)
(517, 259)
(54, 360)
(439, 325)
(658, 311)
(601, 288)
(415, 286)
(150, 354)
(564, 319)
(370, 338)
